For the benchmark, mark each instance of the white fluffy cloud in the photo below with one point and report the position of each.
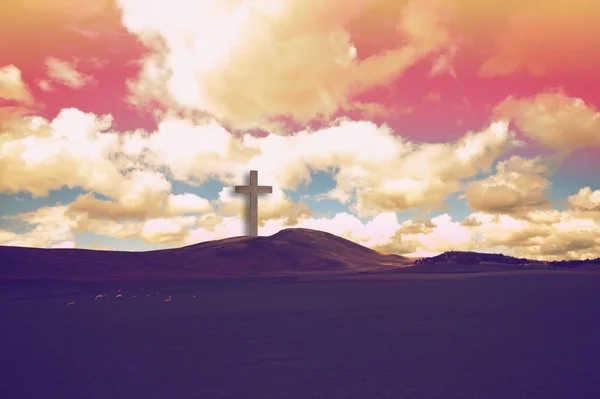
(429, 237)
(369, 161)
(586, 200)
(12, 86)
(519, 184)
(546, 234)
(380, 172)
(586, 204)
(134, 170)
(166, 231)
(245, 62)
(554, 119)
(38, 155)
(50, 226)
(179, 204)
(15, 96)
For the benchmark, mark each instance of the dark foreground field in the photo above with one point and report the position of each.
(509, 336)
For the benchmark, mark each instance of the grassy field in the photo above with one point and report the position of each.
(499, 336)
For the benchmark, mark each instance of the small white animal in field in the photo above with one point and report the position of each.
(71, 303)
(119, 296)
(168, 299)
(193, 296)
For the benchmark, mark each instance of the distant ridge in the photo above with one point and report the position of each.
(288, 252)
(465, 257)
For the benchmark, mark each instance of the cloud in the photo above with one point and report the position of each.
(48, 226)
(143, 196)
(544, 235)
(433, 97)
(64, 73)
(429, 237)
(97, 246)
(553, 119)
(585, 204)
(374, 170)
(16, 99)
(585, 200)
(39, 155)
(509, 231)
(178, 204)
(190, 151)
(45, 85)
(77, 150)
(8, 237)
(443, 63)
(12, 87)
(518, 185)
(64, 244)
(367, 161)
(166, 231)
(248, 62)
(541, 216)
(568, 243)
(122, 230)
(425, 176)
(138, 195)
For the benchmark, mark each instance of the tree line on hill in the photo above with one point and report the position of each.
(476, 258)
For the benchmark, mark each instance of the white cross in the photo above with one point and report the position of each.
(254, 189)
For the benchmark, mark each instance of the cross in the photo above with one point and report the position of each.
(254, 189)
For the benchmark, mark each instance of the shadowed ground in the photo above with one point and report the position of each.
(497, 336)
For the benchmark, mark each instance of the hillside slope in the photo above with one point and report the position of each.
(290, 251)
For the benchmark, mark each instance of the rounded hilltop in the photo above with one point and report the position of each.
(316, 237)
(293, 250)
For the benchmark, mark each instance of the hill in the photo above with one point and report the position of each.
(288, 252)
(474, 258)
(465, 257)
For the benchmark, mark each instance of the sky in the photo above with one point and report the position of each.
(411, 127)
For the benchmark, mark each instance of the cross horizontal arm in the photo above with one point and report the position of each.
(255, 189)
(243, 189)
(264, 189)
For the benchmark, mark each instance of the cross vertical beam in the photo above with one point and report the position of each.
(254, 189)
